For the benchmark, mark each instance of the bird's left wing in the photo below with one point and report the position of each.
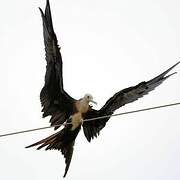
(125, 96)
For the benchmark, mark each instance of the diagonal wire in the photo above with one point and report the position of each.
(93, 119)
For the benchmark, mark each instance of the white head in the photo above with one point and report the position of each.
(89, 98)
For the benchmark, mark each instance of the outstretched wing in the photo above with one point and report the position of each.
(55, 101)
(125, 96)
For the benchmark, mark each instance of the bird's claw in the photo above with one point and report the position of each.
(82, 121)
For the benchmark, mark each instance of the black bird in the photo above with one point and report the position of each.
(63, 108)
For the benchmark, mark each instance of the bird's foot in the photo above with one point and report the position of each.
(67, 121)
(82, 121)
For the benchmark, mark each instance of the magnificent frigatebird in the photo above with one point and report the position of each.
(63, 108)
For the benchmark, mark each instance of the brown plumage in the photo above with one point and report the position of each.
(63, 141)
(62, 107)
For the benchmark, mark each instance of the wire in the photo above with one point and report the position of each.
(135, 111)
(92, 119)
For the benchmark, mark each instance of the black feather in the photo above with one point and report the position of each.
(121, 98)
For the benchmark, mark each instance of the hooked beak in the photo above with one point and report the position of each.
(93, 102)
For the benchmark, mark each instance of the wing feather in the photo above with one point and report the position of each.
(125, 96)
(55, 101)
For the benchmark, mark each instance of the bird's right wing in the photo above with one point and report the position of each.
(125, 96)
(55, 101)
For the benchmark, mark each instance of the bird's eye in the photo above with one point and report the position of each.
(88, 97)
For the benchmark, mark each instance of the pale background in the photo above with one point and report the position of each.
(106, 46)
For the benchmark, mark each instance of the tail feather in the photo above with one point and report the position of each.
(63, 141)
(42, 141)
(68, 152)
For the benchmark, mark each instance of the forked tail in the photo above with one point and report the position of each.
(63, 141)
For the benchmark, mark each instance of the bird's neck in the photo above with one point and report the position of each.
(82, 106)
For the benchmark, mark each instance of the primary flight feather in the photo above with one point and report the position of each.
(63, 108)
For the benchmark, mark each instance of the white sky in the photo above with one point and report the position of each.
(106, 46)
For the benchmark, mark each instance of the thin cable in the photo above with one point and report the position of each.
(92, 119)
(135, 111)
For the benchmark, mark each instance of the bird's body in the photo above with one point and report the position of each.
(63, 108)
(81, 107)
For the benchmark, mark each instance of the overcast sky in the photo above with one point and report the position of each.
(106, 46)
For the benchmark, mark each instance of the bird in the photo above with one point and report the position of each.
(64, 109)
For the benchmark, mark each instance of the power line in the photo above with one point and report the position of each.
(92, 119)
